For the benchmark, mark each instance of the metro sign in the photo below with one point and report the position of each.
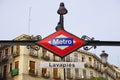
(61, 43)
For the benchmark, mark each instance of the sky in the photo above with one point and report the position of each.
(95, 18)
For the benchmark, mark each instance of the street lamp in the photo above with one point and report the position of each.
(61, 11)
(104, 57)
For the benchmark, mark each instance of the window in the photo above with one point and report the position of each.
(68, 58)
(83, 58)
(90, 59)
(100, 66)
(16, 64)
(44, 51)
(91, 73)
(76, 72)
(12, 49)
(6, 51)
(5, 72)
(76, 57)
(84, 74)
(32, 67)
(97, 65)
(10, 67)
(55, 72)
(17, 49)
(31, 51)
(68, 72)
(44, 71)
(94, 63)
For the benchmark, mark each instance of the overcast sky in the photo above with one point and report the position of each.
(95, 18)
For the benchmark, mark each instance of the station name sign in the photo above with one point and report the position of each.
(62, 64)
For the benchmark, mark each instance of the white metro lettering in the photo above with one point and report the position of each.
(62, 42)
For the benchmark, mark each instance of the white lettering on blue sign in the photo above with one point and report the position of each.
(62, 41)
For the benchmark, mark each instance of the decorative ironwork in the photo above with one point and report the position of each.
(35, 47)
(84, 37)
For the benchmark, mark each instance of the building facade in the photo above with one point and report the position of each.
(19, 62)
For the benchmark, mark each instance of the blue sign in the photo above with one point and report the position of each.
(62, 41)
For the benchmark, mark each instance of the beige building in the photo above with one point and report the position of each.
(23, 63)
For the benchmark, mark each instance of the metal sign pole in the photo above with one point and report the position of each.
(61, 11)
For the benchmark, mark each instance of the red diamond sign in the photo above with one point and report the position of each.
(61, 43)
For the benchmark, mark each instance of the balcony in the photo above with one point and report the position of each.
(47, 58)
(5, 58)
(45, 75)
(14, 72)
(15, 54)
(56, 59)
(70, 77)
(69, 60)
(77, 78)
(33, 54)
(88, 65)
(33, 73)
(57, 78)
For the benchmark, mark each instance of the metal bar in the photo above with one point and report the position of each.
(33, 42)
(103, 43)
(13, 42)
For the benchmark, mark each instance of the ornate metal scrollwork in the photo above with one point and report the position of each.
(38, 37)
(86, 38)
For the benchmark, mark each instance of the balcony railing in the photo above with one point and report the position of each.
(89, 65)
(69, 60)
(15, 54)
(14, 72)
(45, 75)
(70, 77)
(77, 78)
(46, 57)
(5, 58)
(33, 54)
(33, 73)
(57, 77)
(56, 59)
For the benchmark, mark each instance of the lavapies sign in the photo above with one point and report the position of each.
(61, 43)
